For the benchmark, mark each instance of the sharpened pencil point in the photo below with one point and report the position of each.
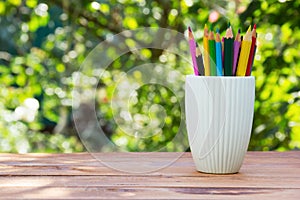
(249, 29)
(218, 31)
(211, 27)
(239, 31)
(229, 24)
(254, 26)
(189, 28)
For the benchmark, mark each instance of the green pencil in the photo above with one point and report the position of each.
(228, 52)
(212, 54)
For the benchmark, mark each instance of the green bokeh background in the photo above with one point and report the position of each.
(43, 44)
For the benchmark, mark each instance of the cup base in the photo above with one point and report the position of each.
(217, 173)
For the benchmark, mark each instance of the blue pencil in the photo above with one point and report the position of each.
(219, 54)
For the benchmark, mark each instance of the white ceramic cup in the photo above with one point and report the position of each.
(219, 115)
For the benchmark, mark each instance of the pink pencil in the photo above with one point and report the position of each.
(193, 51)
(236, 50)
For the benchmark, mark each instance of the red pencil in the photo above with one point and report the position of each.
(252, 52)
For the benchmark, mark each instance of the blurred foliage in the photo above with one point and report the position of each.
(43, 44)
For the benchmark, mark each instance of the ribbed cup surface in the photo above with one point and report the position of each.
(219, 115)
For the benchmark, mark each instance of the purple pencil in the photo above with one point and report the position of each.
(236, 50)
(192, 44)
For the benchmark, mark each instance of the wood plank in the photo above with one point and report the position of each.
(146, 193)
(150, 181)
(255, 163)
(264, 175)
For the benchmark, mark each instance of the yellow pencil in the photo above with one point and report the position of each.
(244, 54)
(206, 51)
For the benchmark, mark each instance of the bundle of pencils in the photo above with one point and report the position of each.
(229, 56)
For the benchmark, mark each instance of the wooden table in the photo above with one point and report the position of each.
(264, 175)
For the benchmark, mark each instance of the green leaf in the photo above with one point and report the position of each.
(130, 22)
(31, 3)
(2, 7)
(15, 2)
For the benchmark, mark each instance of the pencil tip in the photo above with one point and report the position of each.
(229, 24)
(189, 28)
(205, 26)
(254, 26)
(218, 31)
(211, 27)
(239, 31)
(249, 29)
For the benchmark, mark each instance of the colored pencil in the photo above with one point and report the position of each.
(244, 54)
(228, 56)
(228, 52)
(212, 53)
(236, 50)
(206, 51)
(193, 51)
(252, 52)
(199, 61)
(219, 54)
(223, 53)
(253, 55)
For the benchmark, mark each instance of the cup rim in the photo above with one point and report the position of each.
(219, 77)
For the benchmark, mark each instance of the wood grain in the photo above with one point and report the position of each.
(264, 175)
